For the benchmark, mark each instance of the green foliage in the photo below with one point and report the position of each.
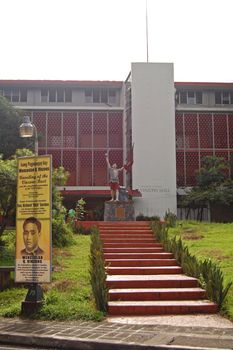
(7, 250)
(213, 282)
(80, 209)
(97, 272)
(207, 272)
(9, 129)
(8, 188)
(170, 218)
(60, 176)
(212, 185)
(212, 171)
(7, 191)
(62, 234)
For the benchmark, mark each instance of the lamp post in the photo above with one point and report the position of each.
(34, 297)
(28, 129)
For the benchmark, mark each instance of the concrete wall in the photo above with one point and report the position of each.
(153, 134)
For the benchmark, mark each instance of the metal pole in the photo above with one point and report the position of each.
(36, 140)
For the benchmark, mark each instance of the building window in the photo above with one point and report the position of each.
(56, 95)
(112, 96)
(189, 97)
(100, 95)
(23, 95)
(15, 94)
(68, 95)
(88, 95)
(52, 95)
(44, 95)
(223, 97)
(191, 100)
(198, 98)
(96, 95)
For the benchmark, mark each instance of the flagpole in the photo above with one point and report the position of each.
(147, 49)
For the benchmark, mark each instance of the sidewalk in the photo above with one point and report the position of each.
(144, 333)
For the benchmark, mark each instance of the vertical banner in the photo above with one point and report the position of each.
(33, 220)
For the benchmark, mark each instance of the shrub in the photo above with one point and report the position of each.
(97, 272)
(170, 218)
(80, 209)
(62, 235)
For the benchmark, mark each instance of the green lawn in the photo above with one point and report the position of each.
(69, 296)
(210, 240)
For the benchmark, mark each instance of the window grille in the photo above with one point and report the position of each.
(220, 131)
(54, 130)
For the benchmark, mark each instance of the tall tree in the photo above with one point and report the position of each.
(212, 172)
(9, 129)
(213, 186)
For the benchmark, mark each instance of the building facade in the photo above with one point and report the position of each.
(172, 126)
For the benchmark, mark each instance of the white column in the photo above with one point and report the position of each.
(153, 133)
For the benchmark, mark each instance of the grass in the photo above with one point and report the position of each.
(210, 240)
(7, 252)
(69, 296)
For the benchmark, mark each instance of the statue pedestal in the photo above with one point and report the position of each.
(119, 211)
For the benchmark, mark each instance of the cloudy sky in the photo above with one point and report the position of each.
(98, 39)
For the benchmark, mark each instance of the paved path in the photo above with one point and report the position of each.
(158, 332)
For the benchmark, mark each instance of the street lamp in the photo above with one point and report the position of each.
(34, 297)
(28, 129)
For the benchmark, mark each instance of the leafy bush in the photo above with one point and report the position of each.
(7, 249)
(170, 218)
(97, 272)
(62, 235)
(80, 209)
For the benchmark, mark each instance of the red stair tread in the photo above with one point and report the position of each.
(151, 281)
(177, 277)
(146, 270)
(104, 236)
(161, 307)
(138, 256)
(132, 240)
(156, 294)
(141, 262)
(133, 250)
(162, 302)
(131, 245)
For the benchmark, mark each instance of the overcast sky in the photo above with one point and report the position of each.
(98, 39)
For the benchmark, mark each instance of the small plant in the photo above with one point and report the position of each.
(213, 281)
(62, 235)
(170, 218)
(97, 272)
(80, 209)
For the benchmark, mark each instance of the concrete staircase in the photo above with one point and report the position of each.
(142, 278)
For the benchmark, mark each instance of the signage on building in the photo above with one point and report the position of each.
(33, 220)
